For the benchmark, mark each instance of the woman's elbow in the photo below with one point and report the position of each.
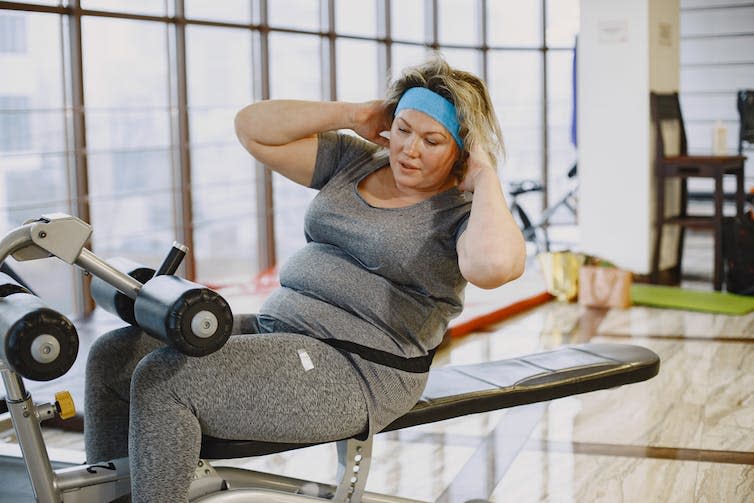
(496, 273)
(241, 123)
(517, 269)
(249, 123)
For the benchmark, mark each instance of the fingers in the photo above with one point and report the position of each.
(479, 156)
(373, 123)
(383, 139)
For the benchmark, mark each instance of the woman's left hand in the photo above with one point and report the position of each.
(478, 166)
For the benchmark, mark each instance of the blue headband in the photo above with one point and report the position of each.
(434, 105)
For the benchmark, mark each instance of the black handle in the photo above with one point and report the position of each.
(173, 260)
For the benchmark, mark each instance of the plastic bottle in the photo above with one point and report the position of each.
(719, 139)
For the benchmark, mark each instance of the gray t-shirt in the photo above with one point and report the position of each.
(384, 278)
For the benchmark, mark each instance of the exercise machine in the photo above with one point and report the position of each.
(40, 344)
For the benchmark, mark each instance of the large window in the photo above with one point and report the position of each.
(15, 126)
(12, 34)
(296, 73)
(223, 182)
(409, 22)
(128, 128)
(121, 111)
(34, 156)
(458, 22)
(515, 80)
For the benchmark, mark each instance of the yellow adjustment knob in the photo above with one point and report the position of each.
(65, 405)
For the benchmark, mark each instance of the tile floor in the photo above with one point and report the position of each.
(686, 435)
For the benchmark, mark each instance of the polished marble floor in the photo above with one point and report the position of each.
(686, 435)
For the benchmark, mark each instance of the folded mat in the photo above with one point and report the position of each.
(691, 300)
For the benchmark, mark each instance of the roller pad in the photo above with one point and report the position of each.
(166, 307)
(29, 328)
(9, 286)
(110, 299)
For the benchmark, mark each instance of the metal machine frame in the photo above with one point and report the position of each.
(64, 236)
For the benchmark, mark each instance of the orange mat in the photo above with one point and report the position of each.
(498, 315)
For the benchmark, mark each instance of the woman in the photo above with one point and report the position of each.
(345, 344)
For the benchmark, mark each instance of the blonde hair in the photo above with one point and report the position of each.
(469, 94)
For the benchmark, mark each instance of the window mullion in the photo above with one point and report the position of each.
(545, 137)
(265, 202)
(80, 172)
(182, 200)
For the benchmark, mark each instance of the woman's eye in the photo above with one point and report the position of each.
(403, 130)
(431, 142)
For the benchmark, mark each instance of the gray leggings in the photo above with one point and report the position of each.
(153, 402)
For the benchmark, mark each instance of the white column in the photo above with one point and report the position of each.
(625, 49)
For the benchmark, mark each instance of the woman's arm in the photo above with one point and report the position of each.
(491, 251)
(282, 134)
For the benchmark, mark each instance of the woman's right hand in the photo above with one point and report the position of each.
(371, 118)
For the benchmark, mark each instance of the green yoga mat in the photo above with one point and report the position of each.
(691, 300)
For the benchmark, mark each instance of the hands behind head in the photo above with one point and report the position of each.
(371, 118)
(479, 165)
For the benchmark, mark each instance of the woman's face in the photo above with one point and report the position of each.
(422, 153)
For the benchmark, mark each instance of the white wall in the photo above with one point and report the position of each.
(619, 59)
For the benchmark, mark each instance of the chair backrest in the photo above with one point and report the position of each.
(670, 132)
(746, 118)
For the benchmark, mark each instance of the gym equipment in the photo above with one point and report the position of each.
(114, 301)
(451, 391)
(195, 321)
(8, 286)
(38, 342)
(189, 317)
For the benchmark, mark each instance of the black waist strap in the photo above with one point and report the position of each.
(417, 365)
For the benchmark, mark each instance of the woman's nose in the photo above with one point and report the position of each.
(410, 147)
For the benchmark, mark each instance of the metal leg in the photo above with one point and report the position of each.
(659, 220)
(683, 212)
(245, 486)
(95, 483)
(740, 192)
(205, 481)
(718, 230)
(26, 423)
(354, 458)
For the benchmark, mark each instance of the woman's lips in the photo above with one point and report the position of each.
(407, 167)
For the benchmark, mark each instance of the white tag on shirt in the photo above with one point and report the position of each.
(306, 360)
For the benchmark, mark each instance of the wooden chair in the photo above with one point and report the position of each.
(673, 162)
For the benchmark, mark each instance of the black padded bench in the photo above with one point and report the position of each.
(460, 390)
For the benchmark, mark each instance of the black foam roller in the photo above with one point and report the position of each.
(9, 286)
(113, 301)
(25, 322)
(166, 306)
